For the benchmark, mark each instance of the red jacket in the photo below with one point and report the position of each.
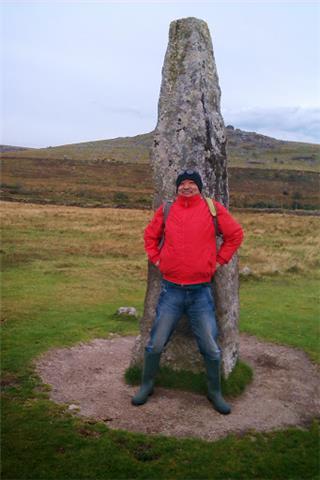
(189, 255)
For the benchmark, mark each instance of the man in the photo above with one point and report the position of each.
(187, 261)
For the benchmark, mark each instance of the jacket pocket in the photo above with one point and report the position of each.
(169, 262)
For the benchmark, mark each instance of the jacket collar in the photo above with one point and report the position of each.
(189, 201)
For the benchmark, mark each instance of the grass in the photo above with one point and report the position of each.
(293, 319)
(129, 185)
(72, 449)
(236, 383)
(66, 271)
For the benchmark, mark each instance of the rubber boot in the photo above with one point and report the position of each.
(214, 387)
(150, 369)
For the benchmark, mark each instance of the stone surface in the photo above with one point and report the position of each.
(246, 271)
(190, 133)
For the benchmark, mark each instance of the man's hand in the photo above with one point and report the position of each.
(157, 263)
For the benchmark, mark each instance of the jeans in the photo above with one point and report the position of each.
(198, 305)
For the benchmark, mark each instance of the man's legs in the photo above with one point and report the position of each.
(201, 312)
(168, 312)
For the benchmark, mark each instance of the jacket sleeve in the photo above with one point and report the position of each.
(232, 234)
(153, 234)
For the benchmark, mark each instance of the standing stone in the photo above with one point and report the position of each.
(190, 133)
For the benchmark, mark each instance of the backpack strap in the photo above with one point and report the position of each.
(214, 214)
(166, 209)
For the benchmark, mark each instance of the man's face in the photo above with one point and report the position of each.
(188, 188)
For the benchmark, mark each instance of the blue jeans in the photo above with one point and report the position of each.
(198, 305)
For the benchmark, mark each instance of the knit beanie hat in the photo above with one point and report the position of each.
(189, 175)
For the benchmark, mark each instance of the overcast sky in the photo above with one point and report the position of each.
(79, 71)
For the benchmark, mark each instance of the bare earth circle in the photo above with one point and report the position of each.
(284, 391)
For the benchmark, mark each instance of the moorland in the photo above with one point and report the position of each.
(66, 270)
(263, 173)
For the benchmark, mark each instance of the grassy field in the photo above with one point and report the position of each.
(263, 173)
(100, 183)
(65, 272)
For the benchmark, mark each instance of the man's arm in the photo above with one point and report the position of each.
(232, 234)
(152, 236)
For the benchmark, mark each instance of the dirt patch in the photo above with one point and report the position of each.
(284, 391)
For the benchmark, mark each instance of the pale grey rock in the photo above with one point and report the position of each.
(245, 271)
(127, 311)
(190, 133)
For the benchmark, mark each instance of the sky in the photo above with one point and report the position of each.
(79, 71)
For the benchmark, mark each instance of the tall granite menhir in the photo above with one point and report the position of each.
(190, 133)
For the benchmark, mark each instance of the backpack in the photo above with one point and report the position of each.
(211, 206)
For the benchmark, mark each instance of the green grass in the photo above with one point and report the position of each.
(56, 296)
(236, 383)
(283, 310)
(40, 312)
(42, 440)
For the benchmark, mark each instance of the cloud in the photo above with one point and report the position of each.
(299, 124)
(127, 112)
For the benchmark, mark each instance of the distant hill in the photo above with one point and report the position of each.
(10, 148)
(263, 173)
(245, 149)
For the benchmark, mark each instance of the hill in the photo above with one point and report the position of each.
(263, 172)
(10, 148)
(245, 149)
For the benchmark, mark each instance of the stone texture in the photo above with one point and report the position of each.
(190, 133)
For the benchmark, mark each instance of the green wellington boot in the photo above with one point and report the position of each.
(214, 387)
(150, 369)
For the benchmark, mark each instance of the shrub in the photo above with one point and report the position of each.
(121, 198)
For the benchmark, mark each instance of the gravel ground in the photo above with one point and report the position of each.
(284, 391)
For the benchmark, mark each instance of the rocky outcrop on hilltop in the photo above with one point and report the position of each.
(241, 138)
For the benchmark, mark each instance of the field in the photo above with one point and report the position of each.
(66, 270)
(263, 173)
(129, 185)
